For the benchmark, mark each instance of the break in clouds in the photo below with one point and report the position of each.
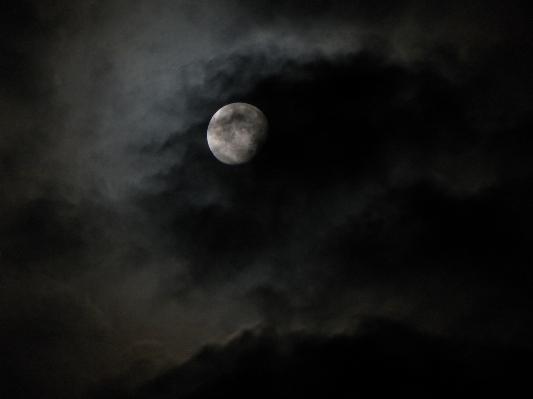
(124, 238)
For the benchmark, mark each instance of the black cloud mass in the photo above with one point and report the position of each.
(378, 244)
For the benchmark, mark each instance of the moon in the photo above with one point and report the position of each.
(236, 132)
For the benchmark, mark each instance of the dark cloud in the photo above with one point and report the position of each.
(386, 360)
(53, 340)
(395, 184)
(23, 31)
(382, 178)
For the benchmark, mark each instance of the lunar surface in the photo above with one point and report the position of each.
(236, 132)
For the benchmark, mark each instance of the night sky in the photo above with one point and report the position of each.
(379, 244)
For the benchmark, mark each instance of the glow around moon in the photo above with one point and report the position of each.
(236, 132)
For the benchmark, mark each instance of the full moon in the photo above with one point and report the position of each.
(236, 132)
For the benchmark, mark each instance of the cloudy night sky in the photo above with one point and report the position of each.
(379, 244)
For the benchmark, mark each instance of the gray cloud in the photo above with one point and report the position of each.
(109, 189)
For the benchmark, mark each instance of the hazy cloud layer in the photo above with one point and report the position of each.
(395, 182)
